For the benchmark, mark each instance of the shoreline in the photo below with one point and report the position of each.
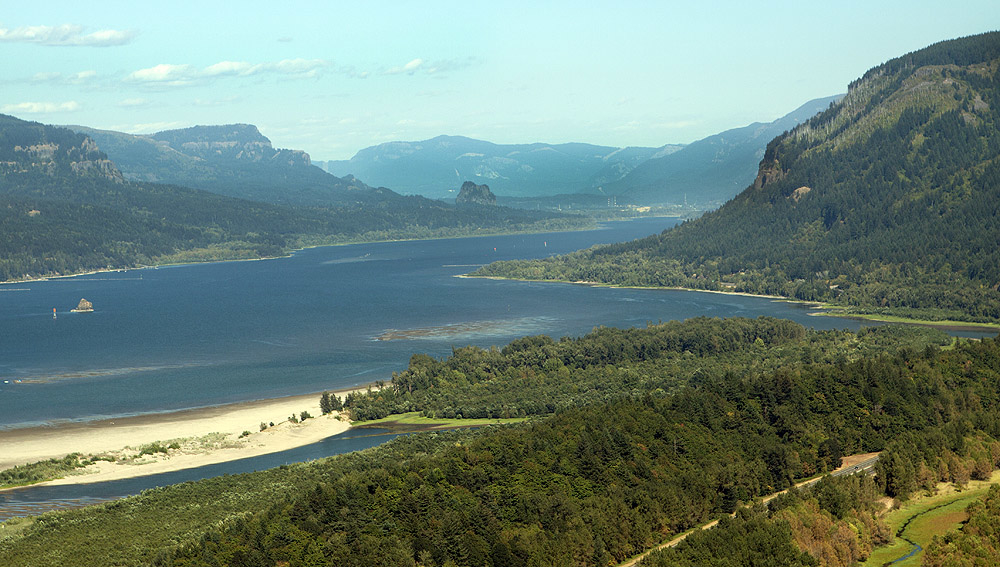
(292, 251)
(204, 436)
(820, 306)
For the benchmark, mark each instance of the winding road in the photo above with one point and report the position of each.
(851, 464)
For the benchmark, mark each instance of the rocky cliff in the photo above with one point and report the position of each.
(234, 160)
(242, 142)
(472, 194)
(33, 148)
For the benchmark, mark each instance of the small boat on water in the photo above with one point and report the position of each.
(83, 307)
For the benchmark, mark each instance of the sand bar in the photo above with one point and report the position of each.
(222, 424)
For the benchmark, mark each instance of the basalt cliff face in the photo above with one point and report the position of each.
(33, 148)
(472, 194)
(234, 160)
(241, 142)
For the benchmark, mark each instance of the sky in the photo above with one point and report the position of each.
(332, 77)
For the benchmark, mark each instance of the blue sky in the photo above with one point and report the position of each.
(332, 78)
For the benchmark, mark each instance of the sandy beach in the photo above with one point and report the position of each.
(204, 436)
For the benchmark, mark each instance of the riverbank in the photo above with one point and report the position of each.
(208, 256)
(157, 443)
(916, 521)
(822, 309)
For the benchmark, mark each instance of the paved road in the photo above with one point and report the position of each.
(862, 466)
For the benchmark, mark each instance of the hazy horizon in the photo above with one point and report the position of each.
(332, 79)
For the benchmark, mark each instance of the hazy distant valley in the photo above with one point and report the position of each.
(704, 431)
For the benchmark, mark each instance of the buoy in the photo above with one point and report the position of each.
(53, 312)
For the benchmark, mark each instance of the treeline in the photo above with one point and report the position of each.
(834, 523)
(978, 542)
(539, 376)
(64, 208)
(597, 484)
(60, 225)
(589, 485)
(886, 203)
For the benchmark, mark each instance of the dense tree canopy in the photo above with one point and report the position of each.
(885, 203)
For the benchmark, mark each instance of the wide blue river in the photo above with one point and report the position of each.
(205, 334)
(197, 335)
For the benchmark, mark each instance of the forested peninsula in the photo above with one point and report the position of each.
(884, 204)
(684, 430)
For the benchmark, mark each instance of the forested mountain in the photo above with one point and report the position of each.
(598, 481)
(436, 167)
(65, 208)
(712, 170)
(30, 148)
(887, 202)
(706, 173)
(234, 160)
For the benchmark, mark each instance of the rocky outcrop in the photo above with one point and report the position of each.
(240, 142)
(83, 307)
(30, 147)
(472, 194)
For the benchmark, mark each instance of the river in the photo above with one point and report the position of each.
(205, 334)
(197, 335)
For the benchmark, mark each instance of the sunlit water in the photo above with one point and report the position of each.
(323, 319)
(190, 336)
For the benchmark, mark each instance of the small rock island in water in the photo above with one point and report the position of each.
(83, 307)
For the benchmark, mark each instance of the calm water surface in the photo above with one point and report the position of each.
(191, 336)
(196, 335)
(33, 500)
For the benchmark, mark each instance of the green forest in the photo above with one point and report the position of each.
(65, 208)
(593, 481)
(886, 203)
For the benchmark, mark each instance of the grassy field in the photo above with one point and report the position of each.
(923, 518)
(413, 421)
(946, 324)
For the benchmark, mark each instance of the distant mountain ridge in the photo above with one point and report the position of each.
(231, 141)
(712, 170)
(30, 147)
(66, 208)
(435, 167)
(705, 173)
(234, 160)
(886, 203)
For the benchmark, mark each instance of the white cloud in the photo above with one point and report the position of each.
(306, 67)
(45, 77)
(66, 35)
(410, 68)
(149, 127)
(228, 68)
(166, 75)
(58, 78)
(41, 107)
(433, 67)
(169, 75)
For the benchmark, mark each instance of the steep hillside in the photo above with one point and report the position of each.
(710, 171)
(435, 167)
(28, 148)
(234, 160)
(65, 208)
(888, 202)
